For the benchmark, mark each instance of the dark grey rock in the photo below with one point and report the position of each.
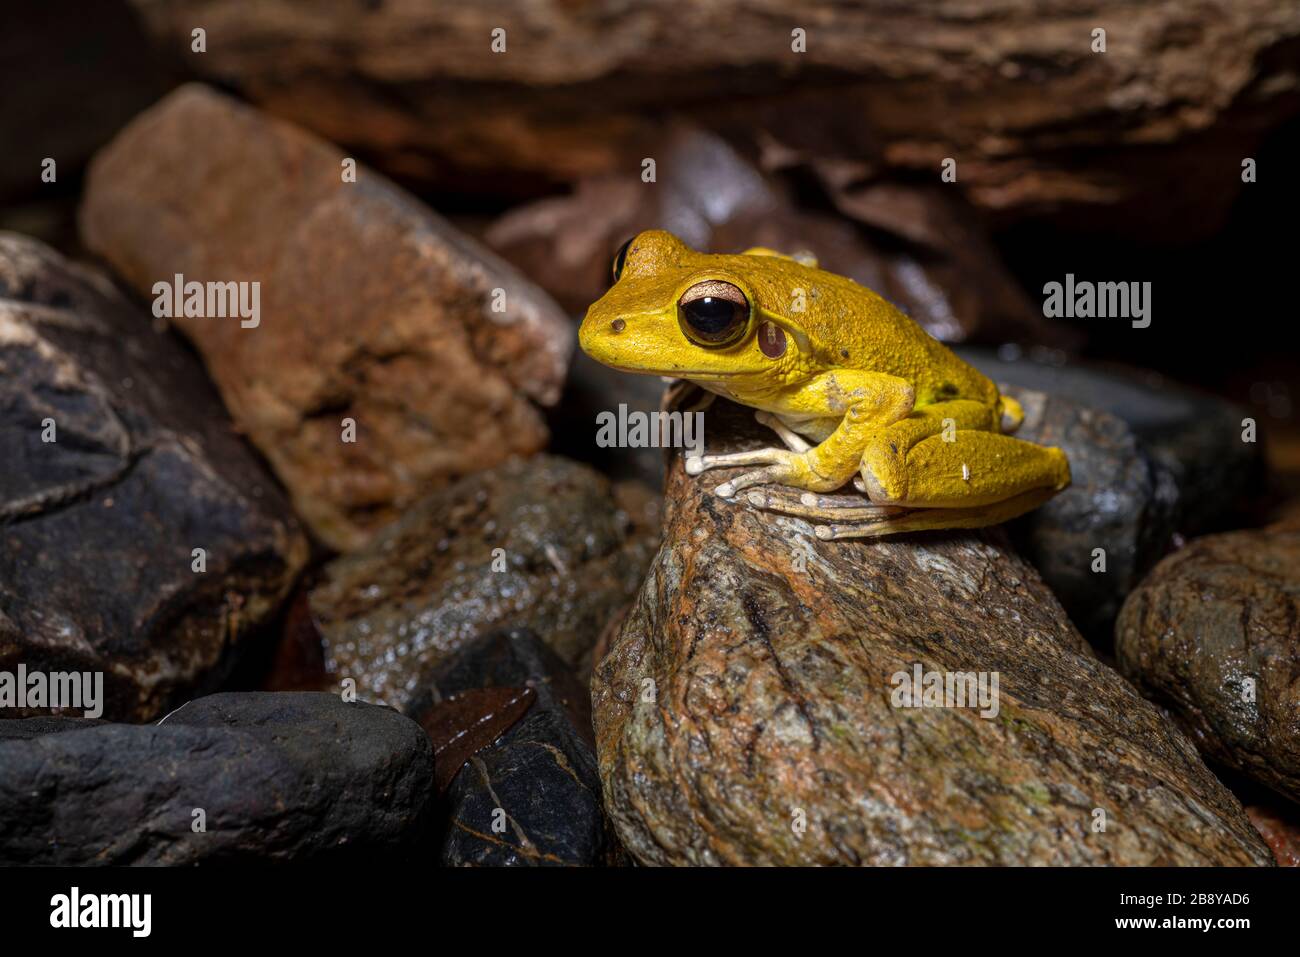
(592, 389)
(290, 776)
(541, 773)
(97, 529)
(570, 557)
(1193, 435)
(1120, 500)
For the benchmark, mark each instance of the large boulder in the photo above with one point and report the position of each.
(391, 354)
(119, 467)
(231, 777)
(756, 708)
(1213, 634)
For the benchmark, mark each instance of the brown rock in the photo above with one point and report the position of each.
(1036, 120)
(1213, 634)
(752, 688)
(372, 308)
(540, 544)
(118, 463)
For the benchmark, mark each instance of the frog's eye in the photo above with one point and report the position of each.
(713, 313)
(620, 257)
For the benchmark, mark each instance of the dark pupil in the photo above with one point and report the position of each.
(713, 319)
(620, 258)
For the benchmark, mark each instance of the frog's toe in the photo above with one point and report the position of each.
(834, 509)
(775, 474)
(697, 464)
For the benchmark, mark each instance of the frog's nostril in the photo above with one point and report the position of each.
(618, 325)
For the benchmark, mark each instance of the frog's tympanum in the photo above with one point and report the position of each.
(856, 391)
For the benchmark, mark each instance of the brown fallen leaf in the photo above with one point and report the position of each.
(299, 660)
(462, 724)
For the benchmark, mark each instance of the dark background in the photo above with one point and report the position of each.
(1221, 265)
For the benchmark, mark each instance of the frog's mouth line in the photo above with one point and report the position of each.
(705, 374)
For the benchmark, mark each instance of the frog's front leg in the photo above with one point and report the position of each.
(792, 439)
(863, 401)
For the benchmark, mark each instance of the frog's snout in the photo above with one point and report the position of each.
(597, 335)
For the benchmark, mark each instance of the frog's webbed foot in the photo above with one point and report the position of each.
(695, 464)
(837, 517)
(782, 461)
(781, 464)
(833, 516)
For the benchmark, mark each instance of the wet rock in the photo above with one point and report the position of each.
(746, 712)
(538, 783)
(99, 527)
(1120, 501)
(541, 543)
(1213, 635)
(1036, 119)
(278, 777)
(373, 310)
(1195, 437)
(946, 275)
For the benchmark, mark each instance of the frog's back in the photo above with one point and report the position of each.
(853, 327)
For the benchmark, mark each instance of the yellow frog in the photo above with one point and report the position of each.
(856, 391)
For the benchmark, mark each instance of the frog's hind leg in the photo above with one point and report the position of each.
(820, 507)
(926, 519)
(974, 470)
(978, 478)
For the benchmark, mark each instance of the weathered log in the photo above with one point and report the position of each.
(1016, 92)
